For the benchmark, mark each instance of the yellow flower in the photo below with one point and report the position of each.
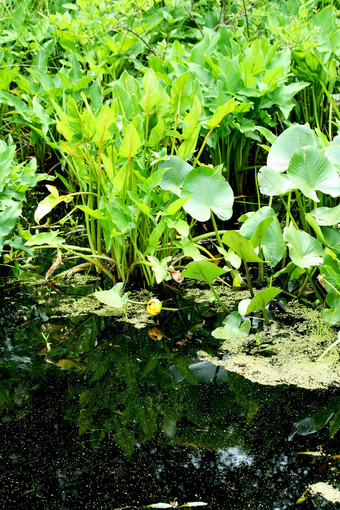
(154, 306)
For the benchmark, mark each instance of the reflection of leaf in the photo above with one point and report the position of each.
(126, 440)
(334, 425)
(205, 372)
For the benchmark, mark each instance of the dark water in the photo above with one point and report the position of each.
(105, 417)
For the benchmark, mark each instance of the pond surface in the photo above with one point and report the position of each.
(97, 414)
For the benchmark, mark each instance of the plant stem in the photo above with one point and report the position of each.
(248, 279)
(218, 298)
(216, 230)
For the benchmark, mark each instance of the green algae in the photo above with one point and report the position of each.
(286, 352)
(136, 314)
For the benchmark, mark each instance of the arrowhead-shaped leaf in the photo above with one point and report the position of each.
(113, 297)
(203, 271)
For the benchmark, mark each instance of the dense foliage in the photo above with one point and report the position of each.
(158, 121)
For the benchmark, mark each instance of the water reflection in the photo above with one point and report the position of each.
(98, 414)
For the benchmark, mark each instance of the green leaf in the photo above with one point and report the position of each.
(131, 142)
(241, 246)
(49, 203)
(173, 178)
(272, 183)
(309, 170)
(233, 327)
(334, 424)
(160, 268)
(209, 192)
(272, 241)
(286, 144)
(152, 91)
(327, 215)
(176, 206)
(203, 271)
(113, 297)
(49, 238)
(262, 298)
(304, 250)
(220, 113)
(8, 218)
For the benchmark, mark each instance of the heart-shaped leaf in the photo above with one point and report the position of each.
(272, 241)
(310, 171)
(209, 192)
(203, 271)
(113, 297)
(327, 216)
(304, 250)
(272, 183)
(262, 298)
(233, 327)
(286, 144)
(241, 246)
(176, 172)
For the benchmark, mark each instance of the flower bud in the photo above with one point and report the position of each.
(154, 306)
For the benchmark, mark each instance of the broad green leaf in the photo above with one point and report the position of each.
(233, 327)
(131, 142)
(221, 112)
(189, 144)
(49, 238)
(8, 218)
(272, 183)
(209, 192)
(95, 213)
(262, 298)
(152, 92)
(7, 155)
(49, 203)
(327, 215)
(203, 271)
(272, 241)
(176, 206)
(286, 144)
(160, 268)
(304, 250)
(156, 134)
(113, 297)
(241, 246)
(260, 232)
(309, 170)
(174, 177)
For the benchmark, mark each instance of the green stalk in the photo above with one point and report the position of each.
(315, 109)
(318, 295)
(216, 229)
(248, 279)
(289, 213)
(265, 315)
(218, 298)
